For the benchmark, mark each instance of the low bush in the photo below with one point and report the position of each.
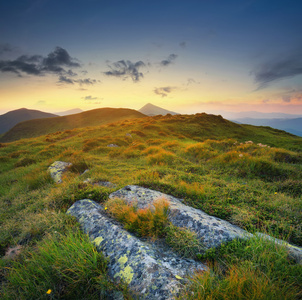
(23, 162)
(145, 222)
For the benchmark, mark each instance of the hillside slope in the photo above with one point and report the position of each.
(37, 127)
(203, 159)
(11, 118)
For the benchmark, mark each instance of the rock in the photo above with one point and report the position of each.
(107, 184)
(211, 230)
(13, 252)
(294, 252)
(57, 169)
(149, 271)
(112, 145)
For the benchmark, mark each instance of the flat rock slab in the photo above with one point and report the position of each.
(211, 230)
(57, 169)
(149, 271)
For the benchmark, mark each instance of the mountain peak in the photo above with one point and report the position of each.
(152, 110)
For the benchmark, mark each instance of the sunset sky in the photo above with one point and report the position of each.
(187, 56)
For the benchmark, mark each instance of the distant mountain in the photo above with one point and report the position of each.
(38, 127)
(293, 126)
(11, 118)
(153, 110)
(69, 112)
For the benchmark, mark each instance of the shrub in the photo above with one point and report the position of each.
(26, 161)
(90, 144)
(79, 166)
(17, 154)
(38, 179)
(281, 155)
(184, 241)
(200, 151)
(161, 158)
(139, 133)
(149, 222)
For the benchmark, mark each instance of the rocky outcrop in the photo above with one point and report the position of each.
(57, 169)
(149, 270)
(211, 230)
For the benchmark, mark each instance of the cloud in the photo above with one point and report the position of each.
(169, 60)
(38, 65)
(90, 98)
(55, 61)
(192, 81)
(278, 69)
(41, 102)
(4, 48)
(64, 79)
(124, 69)
(86, 81)
(164, 91)
(183, 44)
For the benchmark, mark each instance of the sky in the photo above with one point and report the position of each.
(187, 56)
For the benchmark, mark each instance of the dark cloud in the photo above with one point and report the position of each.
(163, 91)
(64, 79)
(169, 60)
(125, 69)
(57, 59)
(38, 65)
(278, 69)
(86, 81)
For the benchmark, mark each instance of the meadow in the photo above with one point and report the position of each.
(250, 176)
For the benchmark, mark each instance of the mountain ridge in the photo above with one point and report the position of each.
(11, 118)
(95, 117)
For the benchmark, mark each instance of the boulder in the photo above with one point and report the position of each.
(57, 169)
(150, 271)
(211, 230)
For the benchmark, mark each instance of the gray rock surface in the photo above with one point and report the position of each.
(57, 169)
(150, 271)
(211, 230)
(107, 184)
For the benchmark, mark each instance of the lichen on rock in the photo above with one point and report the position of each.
(146, 268)
(211, 230)
(57, 169)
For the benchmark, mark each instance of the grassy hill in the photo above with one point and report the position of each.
(37, 127)
(11, 118)
(201, 158)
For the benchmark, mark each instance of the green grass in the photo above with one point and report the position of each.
(201, 158)
(61, 267)
(253, 269)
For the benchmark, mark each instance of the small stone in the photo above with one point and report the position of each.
(57, 169)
